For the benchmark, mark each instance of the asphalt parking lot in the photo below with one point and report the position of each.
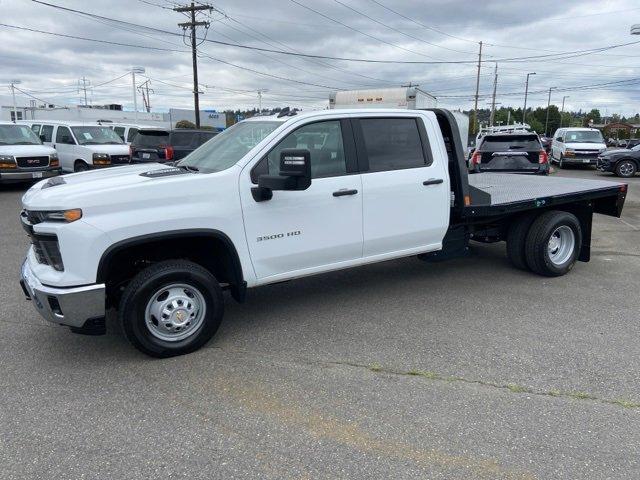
(463, 369)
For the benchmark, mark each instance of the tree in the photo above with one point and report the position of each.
(185, 124)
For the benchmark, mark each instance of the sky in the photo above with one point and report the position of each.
(50, 67)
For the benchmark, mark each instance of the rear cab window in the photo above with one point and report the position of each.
(394, 143)
(152, 138)
(505, 143)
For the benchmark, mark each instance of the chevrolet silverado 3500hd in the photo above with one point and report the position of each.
(276, 198)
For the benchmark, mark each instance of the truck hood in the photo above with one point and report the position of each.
(585, 146)
(110, 149)
(26, 150)
(100, 187)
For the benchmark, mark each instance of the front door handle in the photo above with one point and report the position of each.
(433, 181)
(342, 193)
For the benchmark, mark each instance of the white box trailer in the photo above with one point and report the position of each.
(397, 97)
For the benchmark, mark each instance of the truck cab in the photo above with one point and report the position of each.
(275, 198)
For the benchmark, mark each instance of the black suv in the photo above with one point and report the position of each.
(163, 145)
(517, 152)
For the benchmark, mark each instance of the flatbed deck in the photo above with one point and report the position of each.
(498, 193)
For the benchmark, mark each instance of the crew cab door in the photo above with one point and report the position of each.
(405, 184)
(301, 232)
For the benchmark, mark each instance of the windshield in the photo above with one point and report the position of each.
(18, 135)
(583, 136)
(95, 135)
(226, 148)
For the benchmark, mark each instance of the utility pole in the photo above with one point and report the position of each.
(194, 48)
(260, 92)
(13, 84)
(546, 122)
(85, 83)
(493, 98)
(135, 70)
(475, 105)
(526, 92)
(144, 87)
(562, 111)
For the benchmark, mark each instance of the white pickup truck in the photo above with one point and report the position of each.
(277, 198)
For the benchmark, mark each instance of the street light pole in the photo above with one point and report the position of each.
(562, 111)
(526, 92)
(135, 70)
(13, 94)
(546, 122)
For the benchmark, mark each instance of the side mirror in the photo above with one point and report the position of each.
(559, 139)
(42, 138)
(295, 174)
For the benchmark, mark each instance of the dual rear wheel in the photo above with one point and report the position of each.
(547, 244)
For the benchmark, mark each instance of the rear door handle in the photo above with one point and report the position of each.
(342, 193)
(433, 181)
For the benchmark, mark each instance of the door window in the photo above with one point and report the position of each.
(182, 139)
(324, 142)
(47, 133)
(35, 128)
(119, 131)
(63, 135)
(131, 134)
(392, 143)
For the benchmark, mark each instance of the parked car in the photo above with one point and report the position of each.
(632, 143)
(164, 145)
(23, 157)
(623, 162)
(276, 199)
(577, 146)
(82, 146)
(517, 152)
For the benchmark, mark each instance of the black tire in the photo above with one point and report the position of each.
(561, 162)
(80, 166)
(516, 239)
(626, 169)
(537, 243)
(142, 289)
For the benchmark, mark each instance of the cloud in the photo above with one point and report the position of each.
(50, 67)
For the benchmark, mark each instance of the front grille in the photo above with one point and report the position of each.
(47, 251)
(119, 159)
(32, 162)
(586, 153)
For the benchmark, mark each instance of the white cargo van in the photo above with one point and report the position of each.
(82, 146)
(577, 146)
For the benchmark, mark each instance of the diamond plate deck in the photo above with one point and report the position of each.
(513, 188)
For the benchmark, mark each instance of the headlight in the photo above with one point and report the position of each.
(569, 153)
(7, 161)
(53, 156)
(101, 159)
(61, 215)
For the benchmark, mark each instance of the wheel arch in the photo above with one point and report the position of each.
(210, 248)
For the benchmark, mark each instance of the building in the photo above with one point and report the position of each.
(613, 129)
(32, 110)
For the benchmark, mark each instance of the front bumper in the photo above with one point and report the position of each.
(580, 160)
(24, 176)
(605, 165)
(70, 306)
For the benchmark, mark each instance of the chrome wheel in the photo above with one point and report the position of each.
(175, 312)
(626, 169)
(561, 245)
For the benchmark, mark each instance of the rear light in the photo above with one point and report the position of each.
(168, 153)
(475, 158)
(543, 157)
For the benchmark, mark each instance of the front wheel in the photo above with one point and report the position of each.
(561, 162)
(80, 166)
(626, 169)
(171, 308)
(553, 243)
